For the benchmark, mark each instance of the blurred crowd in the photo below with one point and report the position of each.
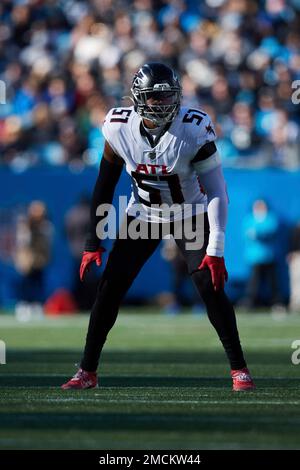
(66, 62)
(30, 246)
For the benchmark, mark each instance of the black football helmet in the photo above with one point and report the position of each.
(159, 82)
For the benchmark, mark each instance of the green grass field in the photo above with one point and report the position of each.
(164, 384)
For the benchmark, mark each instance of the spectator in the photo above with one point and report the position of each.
(261, 229)
(293, 260)
(180, 281)
(76, 228)
(239, 58)
(32, 255)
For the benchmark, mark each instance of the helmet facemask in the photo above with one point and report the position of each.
(159, 104)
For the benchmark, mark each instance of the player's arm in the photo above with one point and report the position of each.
(207, 165)
(109, 173)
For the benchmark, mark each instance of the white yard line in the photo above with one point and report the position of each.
(135, 400)
(145, 377)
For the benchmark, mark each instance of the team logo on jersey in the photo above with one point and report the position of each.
(150, 169)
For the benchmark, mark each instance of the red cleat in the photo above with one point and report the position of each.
(242, 380)
(81, 380)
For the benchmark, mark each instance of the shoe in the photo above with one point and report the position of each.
(81, 380)
(242, 380)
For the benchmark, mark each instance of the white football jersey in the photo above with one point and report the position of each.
(162, 173)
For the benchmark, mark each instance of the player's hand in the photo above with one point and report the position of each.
(89, 257)
(217, 268)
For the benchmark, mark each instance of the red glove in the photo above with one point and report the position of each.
(89, 257)
(217, 268)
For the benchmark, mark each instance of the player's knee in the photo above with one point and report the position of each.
(113, 286)
(202, 280)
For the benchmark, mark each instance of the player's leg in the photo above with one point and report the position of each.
(124, 262)
(219, 308)
(221, 315)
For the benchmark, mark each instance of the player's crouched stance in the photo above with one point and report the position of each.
(168, 150)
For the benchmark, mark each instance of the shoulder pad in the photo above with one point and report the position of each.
(198, 125)
(114, 120)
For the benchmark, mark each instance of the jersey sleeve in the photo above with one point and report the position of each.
(206, 156)
(116, 128)
(109, 131)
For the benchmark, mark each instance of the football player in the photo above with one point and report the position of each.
(170, 153)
